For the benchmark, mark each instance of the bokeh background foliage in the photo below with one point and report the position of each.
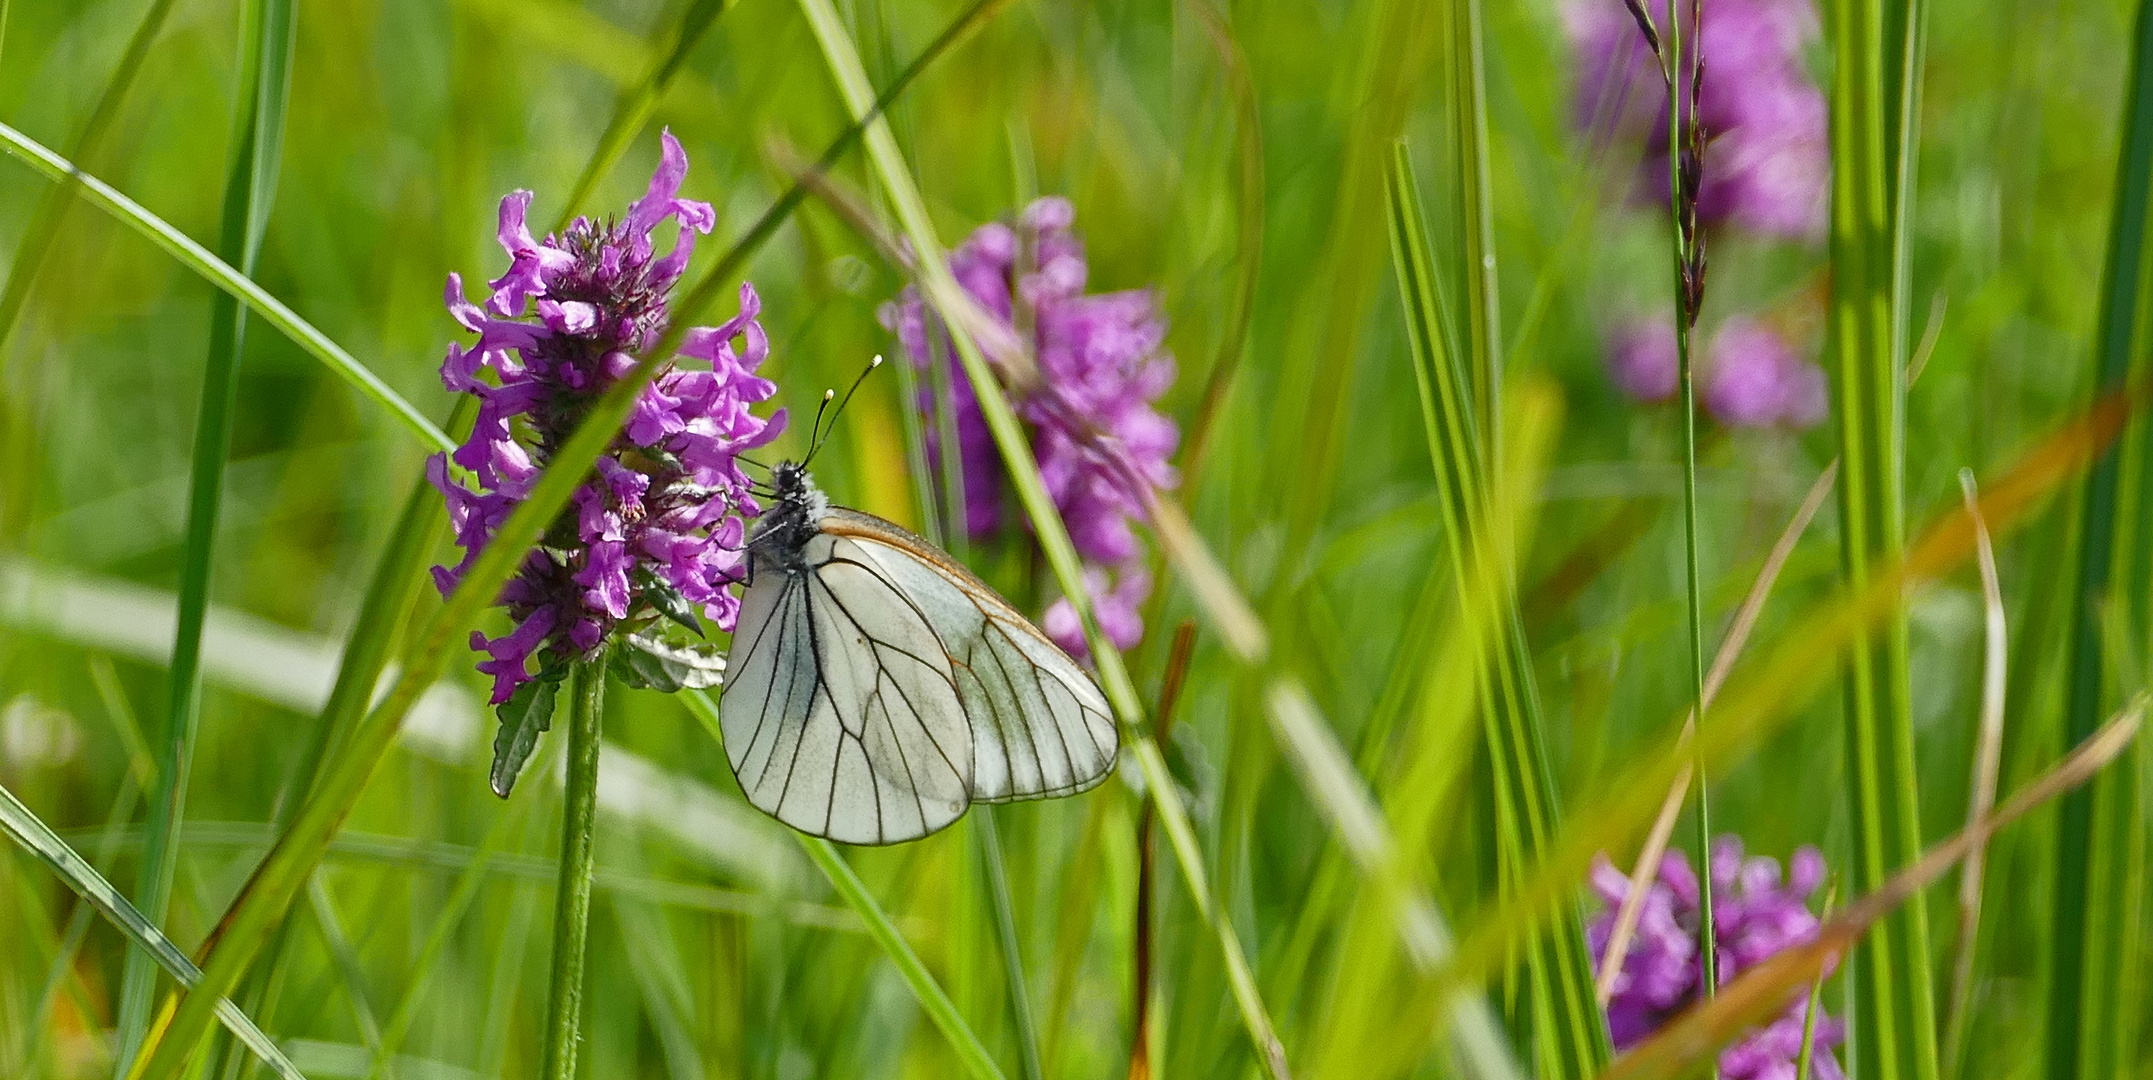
(1233, 157)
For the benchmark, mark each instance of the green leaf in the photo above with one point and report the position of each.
(651, 663)
(36, 837)
(671, 604)
(524, 716)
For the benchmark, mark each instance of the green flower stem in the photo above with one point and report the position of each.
(572, 896)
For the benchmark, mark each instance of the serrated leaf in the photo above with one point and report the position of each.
(527, 713)
(651, 663)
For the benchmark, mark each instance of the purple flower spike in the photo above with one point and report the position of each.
(658, 530)
(1769, 165)
(1754, 918)
(1101, 445)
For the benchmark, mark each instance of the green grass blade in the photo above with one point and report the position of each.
(1476, 219)
(250, 187)
(963, 320)
(52, 209)
(635, 107)
(929, 993)
(1893, 1021)
(2099, 870)
(1005, 928)
(26, 829)
(1570, 1035)
(219, 273)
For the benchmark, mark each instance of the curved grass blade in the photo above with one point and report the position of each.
(937, 1004)
(1988, 761)
(52, 209)
(27, 829)
(221, 274)
(250, 186)
(963, 320)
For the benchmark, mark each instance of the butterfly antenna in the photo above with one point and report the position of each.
(746, 460)
(820, 435)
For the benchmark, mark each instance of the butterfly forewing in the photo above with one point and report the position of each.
(1039, 726)
(842, 719)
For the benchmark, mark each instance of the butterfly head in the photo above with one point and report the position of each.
(789, 523)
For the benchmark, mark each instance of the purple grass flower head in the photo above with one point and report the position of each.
(1756, 915)
(657, 530)
(1756, 379)
(1768, 166)
(1101, 444)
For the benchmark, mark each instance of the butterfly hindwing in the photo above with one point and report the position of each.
(841, 717)
(1039, 727)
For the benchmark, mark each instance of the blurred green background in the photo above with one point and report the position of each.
(717, 950)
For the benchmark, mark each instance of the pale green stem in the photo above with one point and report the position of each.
(572, 894)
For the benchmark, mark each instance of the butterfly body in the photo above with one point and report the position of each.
(877, 688)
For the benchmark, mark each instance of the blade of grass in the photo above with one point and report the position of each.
(221, 275)
(937, 1004)
(635, 107)
(52, 208)
(1570, 1032)
(1647, 868)
(1763, 990)
(1140, 1034)
(1248, 250)
(26, 829)
(1005, 929)
(468, 882)
(1988, 761)
(1893, 1015)
(2090, 1020)
(345, 959)
(268, 31)
(1476, 222)
(962, 319)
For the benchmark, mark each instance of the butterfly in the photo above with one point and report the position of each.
(875, 688)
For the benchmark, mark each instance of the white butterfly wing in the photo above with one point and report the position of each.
(1039, 727)
(841, 716)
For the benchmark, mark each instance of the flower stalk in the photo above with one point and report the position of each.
(572, 893)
